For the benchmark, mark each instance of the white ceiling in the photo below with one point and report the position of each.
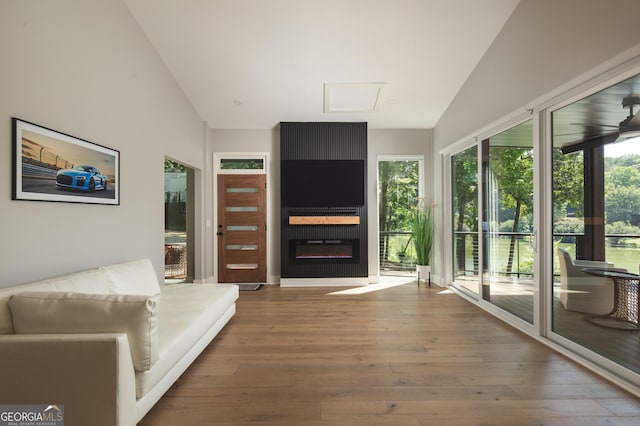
(249, 64)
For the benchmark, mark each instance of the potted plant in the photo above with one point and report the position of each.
(422, 228)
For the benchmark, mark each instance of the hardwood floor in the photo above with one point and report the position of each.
(398, 356)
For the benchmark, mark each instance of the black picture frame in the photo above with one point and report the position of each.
(52, 166)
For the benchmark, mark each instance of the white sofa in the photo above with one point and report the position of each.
(105, 343)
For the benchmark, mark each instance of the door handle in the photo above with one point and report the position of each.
(219, 233)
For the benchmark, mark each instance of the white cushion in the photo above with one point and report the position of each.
(92, 281)
(64, 312)
(135, 277)
(188, 312)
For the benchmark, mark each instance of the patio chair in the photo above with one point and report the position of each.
(582, 292)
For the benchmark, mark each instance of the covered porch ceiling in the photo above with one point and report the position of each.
(595, 116)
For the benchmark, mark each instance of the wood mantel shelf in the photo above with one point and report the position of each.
(324, 220)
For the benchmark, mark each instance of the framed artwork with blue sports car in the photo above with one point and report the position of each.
(53, 166)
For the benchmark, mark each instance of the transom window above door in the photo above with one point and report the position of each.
(232, 163)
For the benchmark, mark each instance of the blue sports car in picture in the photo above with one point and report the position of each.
(83, 178)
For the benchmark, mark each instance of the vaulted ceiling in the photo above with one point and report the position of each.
(247, 64)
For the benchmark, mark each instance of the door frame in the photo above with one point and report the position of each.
(446, 155)
(193, 248)
(266, 170)
(420, 158)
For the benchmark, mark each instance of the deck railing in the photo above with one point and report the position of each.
(396, 251)
(522, 265)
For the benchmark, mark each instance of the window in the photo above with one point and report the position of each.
(242, 163)
(399, 192)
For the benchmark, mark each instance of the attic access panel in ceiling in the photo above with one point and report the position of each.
(352, 97)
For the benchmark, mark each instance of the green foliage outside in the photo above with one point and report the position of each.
(509, 206)
(568, 184)
(173, 166)
(622, 197)
(622, 192)
(621, 257)
(512, 169)
(398, 196)
(242, 164)
(175, 218)
(464, 166)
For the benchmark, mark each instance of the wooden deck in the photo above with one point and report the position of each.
(398, 356)
(620, 346)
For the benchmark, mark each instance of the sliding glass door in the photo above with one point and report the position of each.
(507, 220)
(495, 261)
(464, 201)
(596, 222)
(578, 162)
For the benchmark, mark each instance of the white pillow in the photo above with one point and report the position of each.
(89, 281)
(63, 312)
(135, 277)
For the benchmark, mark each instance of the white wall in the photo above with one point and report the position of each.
(546, 44)
(84, 67)
(543, 45)
(380, 142)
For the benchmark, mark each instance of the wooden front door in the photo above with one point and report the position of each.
(242, 228)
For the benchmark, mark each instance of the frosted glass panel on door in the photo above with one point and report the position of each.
(241, 209)
(242, 266)
(242, 228)
(242, 247)
(242, 189)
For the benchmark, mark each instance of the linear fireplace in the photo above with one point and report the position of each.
(321, 251)
(323, 204)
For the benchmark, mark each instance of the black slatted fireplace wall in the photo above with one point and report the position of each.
(323, 200)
